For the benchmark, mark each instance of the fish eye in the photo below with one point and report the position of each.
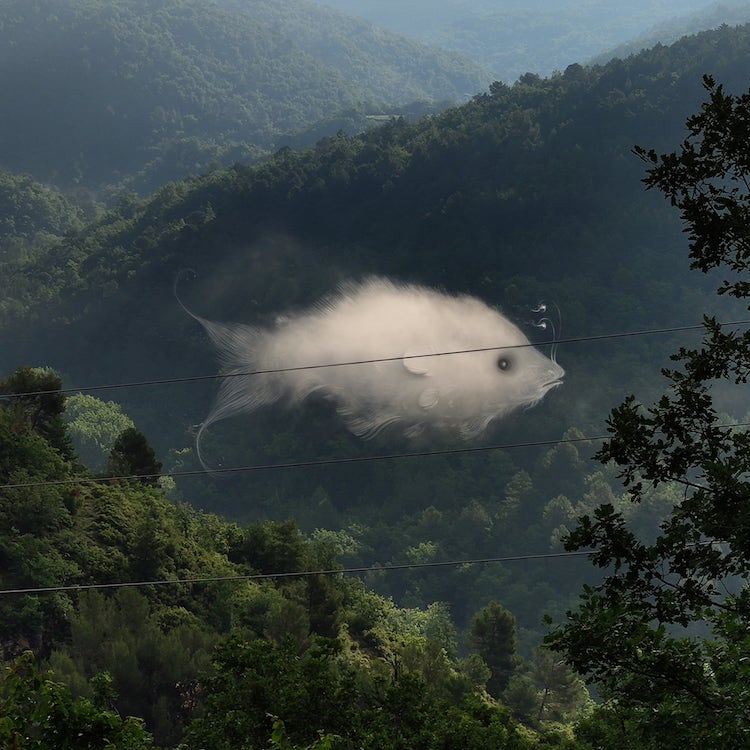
(504, 364)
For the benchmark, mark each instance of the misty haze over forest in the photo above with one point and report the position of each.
(318, 327)
(510, 37)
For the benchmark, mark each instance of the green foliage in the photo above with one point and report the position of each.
(270, 547)
(493, 637)
(258, 680)
(522, 697)
(151, 654)
(93, 426)
(35, 520)
(37, 713)
(708, 181)
(313, 662)
(318, 697)
(132, 455)
(31, 216)
(140, 93)
(562, 694)
(638, 633)
(280, 741)
(35, 393)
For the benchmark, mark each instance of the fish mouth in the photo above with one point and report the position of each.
(545, 388)
(538, 389)
(542, 392)
(550, 384)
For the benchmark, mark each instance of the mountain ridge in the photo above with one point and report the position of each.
(518, 37)
(171, 87)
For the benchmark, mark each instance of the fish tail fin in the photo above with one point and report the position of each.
(245, 386)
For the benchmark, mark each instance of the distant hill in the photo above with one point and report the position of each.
(670, 31)
(96, 92)
(515, 37)
(31, 215)
(390, 67)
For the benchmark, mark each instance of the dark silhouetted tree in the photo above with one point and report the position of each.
(493, 637)
(36, 392)
(132, 455)
(634, 633)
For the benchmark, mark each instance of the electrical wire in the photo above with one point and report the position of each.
(374, 360)
(319, 463)
(302, 464)
(312, 464)
(333, 461)
(294, 574)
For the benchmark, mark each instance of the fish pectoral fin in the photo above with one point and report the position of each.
(428, 398)
(416, 363)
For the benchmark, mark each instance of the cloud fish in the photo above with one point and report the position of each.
(414, 383)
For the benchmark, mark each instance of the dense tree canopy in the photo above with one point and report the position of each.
(181, 636)
(32, 215)
(636, 633)
(525, 193)
(475, 200)
(38, 713)
(493, 637)
(140, 92)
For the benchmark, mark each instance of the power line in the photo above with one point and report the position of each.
(303, 464)
(294, 574)
(333, 461)
(312, 464)
(374, 360)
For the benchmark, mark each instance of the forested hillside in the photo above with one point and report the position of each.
(731, 14)
(528, 197)
(526, 193)
(96, 93)
(32, 215)
(224, 651)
